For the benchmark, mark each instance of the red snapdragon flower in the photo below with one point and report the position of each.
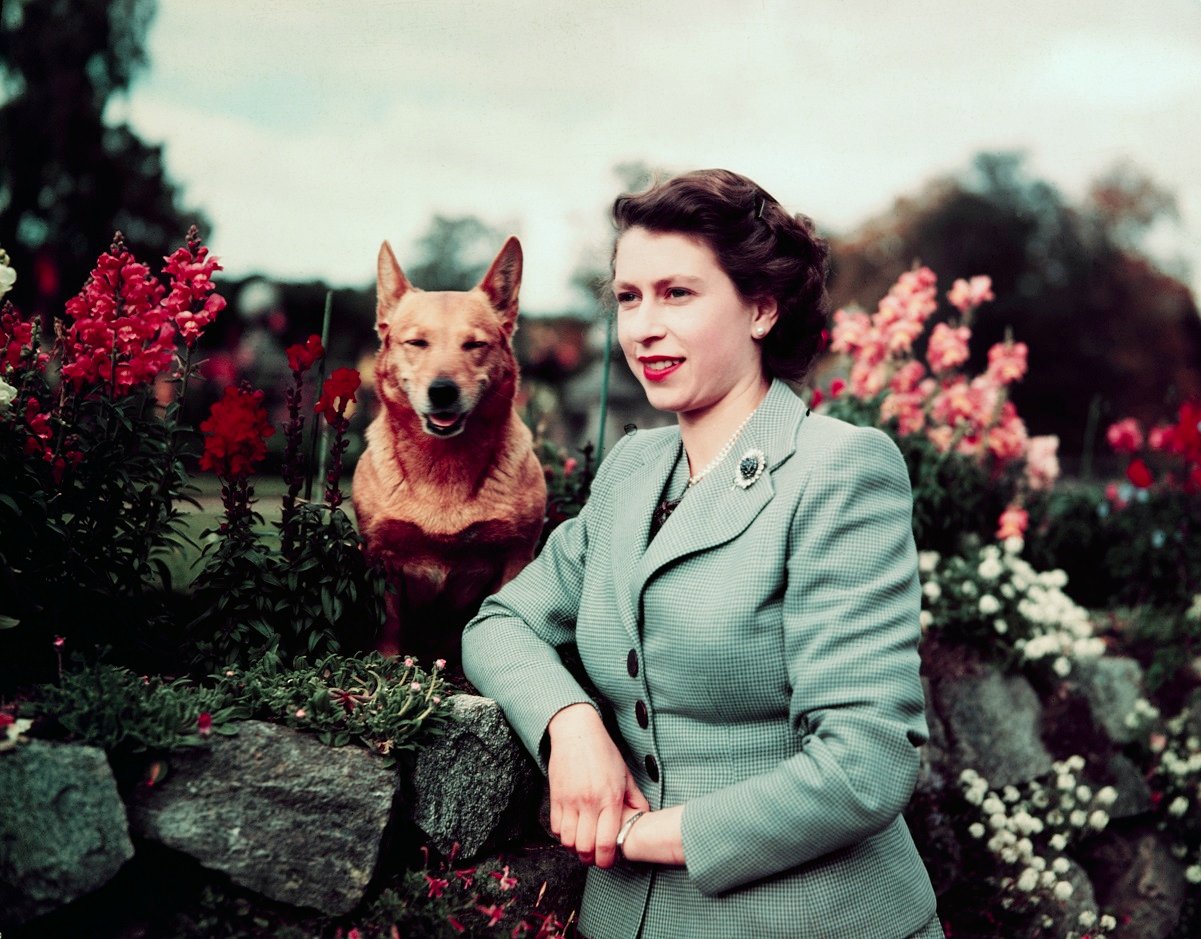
(1139, 473)
(236, 433)
(118, 319)
(337, 393)
(1125, 436)
(302, 356)
(437, 885)
(192, 302)
(204, 724)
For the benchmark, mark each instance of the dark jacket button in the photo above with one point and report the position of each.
(632, 664)
(640, 713)
(652, 768)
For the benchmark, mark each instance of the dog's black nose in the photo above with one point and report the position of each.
(444, 393)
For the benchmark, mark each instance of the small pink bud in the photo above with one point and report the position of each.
(416, 686)
(59, 642)
(440, 663)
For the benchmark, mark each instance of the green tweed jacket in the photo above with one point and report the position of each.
(759, 659)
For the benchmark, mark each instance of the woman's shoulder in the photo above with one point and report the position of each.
(821, 438)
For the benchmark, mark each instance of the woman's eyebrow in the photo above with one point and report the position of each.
(664, 281)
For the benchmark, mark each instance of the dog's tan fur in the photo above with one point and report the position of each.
(453, 512)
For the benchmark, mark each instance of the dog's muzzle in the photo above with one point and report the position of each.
(445, 416)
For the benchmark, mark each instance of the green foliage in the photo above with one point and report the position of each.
(568, 482)
(86, 555)
(1168, 640)
(381, 702)
(324, 598)
(120, 712)
(1139, 547)
(384, 704)
(446, 902)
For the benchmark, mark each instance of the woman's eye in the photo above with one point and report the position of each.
(678, 293)
(626, 296)
(416, 343)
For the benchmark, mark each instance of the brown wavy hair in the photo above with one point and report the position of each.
(765, 251)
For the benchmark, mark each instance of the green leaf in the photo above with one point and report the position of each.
(8, 622)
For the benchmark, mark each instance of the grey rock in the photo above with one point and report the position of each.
(993, 721)
(1138, 881)
(278, 811)
(63, 831)
(467, 780)
(1065, 914)
(1134, 795)
(1112, 684)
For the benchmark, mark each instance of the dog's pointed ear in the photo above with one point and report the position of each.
(391, 285)
(503, 281)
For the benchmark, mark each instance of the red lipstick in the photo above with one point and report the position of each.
(658, 374)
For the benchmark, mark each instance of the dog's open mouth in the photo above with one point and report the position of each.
(444, 423)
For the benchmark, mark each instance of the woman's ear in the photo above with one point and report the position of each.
(766, 312)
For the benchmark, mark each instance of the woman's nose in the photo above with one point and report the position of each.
(645, 322)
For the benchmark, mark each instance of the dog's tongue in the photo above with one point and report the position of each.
(442, 420)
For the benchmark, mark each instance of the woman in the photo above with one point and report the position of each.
(742, 592)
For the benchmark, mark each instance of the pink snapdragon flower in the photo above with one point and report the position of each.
(1007, 362)
(966, 295)
(948, 348)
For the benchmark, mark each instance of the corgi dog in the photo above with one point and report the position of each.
(449, 494)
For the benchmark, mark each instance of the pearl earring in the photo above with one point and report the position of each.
(759, 330)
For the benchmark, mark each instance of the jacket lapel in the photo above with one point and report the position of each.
(716, 510)
(636, 500)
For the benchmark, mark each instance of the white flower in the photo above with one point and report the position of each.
(1063, 890)
(1047, 879)
(976, 830)
(927, 561)
(1009, 855)
(989, 605)
(1000, 626)
(990, 568)
(1075, 762)
(1060, 865)
(997, 821)
(932, 590)
(1028, 880)
(1087, 918)
(1062, 667)
(7, 391)
(1008, 592)
(8, 276)
(1010, 794)
(969, 589)
(925, 619)
(993, 805)
(1098, 819)
(1194, 611)
(1058, 842)
(1107, 796)
(1078, 818)
(1083, 793)
(1178, 807)
(1192, 873)
(1026, 847)
(1108, 922)
(1066, 781)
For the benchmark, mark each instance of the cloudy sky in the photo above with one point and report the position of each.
(311, 131)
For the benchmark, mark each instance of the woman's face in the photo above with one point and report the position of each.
(687, 334)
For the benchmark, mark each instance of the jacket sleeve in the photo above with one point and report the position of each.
(851, 638)
(509, 648)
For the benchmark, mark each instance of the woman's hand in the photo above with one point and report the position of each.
(590, 786)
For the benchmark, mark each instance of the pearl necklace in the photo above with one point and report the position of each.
(722, 453)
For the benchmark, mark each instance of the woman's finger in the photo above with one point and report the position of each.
(607, 825)
(585, 835)
(567, 832)
(556, 816)
(634, 797)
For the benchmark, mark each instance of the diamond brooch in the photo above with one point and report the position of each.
(750, 467)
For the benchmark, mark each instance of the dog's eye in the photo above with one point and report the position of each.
(475, 344)
(416, 343)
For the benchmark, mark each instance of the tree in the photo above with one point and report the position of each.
(455, 253)
(1105, 326)
(68, 180)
